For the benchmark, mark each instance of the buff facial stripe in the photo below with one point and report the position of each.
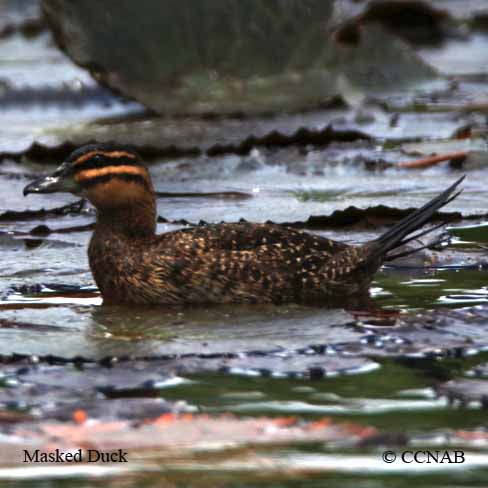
(103, 162)
(88, 174)
(106, 154)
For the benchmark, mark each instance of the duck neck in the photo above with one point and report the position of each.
(137, 220)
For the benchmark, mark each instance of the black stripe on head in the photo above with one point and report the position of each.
(97, 180)
(103, 160)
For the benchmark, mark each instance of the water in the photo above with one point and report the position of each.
(259, 361)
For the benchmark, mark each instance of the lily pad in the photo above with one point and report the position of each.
(478, 232)
(466, 391)
(224, 56)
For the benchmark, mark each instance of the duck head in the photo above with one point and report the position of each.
(113, 178)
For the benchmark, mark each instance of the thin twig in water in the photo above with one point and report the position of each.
(221, 194)
(432, 160)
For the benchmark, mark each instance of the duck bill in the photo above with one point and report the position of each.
(59, 181)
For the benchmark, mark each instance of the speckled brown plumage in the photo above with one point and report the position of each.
(232, 263)
(224, 263)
